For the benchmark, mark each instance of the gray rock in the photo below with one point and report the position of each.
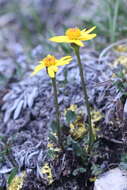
(114, 179)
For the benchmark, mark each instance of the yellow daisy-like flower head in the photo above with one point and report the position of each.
(51, 64)
(75, 36)
(73, 33)
(49, 61)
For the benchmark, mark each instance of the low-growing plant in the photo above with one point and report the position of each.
(74, 135)
(121, 82)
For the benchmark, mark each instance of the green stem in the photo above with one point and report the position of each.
(83, 83)
(114, 24)
(57, 109)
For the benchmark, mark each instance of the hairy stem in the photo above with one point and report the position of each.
(83, 83)
(57, 109)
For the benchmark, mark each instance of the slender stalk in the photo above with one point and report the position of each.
(114, 21)
(57, 109)
(83, 83)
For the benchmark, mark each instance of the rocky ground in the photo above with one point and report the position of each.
(26, 114)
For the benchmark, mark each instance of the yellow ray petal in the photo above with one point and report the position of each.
(55, 68)
(83, 30)
(78, 42)
(37, 69)
(41, 62)
(59, 39)
(52, 70)
(86, 37)
(88, 31)
(64, 60)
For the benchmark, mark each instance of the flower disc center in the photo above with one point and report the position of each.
(73, 33)
(49, 60)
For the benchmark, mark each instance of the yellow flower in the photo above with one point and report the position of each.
(51, 64)
(73, 108)
(96, 116)
(121, 60)
(77, 130)
(17, 182)
(46, 171)
(51, 146)
(75, 35)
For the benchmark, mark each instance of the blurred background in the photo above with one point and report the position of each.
(26, 25)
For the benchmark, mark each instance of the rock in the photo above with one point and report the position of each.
(114, 179)
(125, 110)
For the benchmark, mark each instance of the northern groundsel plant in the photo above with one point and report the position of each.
(73, 137)
(75, 36)
(51, 64)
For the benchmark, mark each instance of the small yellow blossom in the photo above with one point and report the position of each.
(121, 48)
(46, 171)
(73, 108)
(95, 117)
(75, 35)
(77, 128)
(77, 131)
(51, 64)
(17, 182)
(121, 60)
(51, 146)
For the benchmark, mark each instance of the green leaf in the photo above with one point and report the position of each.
(2, 138)
(77, 148)
(79, 171)
(65, 48)
(96, 169)
(69, 140)
(51, 154)
(54, 126)
(2, 153)
(53, 138)
(12, 175)
(70, 116)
